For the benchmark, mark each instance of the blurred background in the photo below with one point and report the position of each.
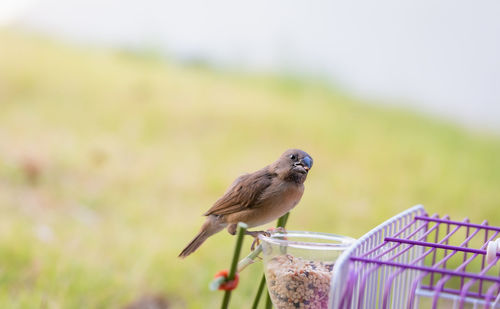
(121, 122)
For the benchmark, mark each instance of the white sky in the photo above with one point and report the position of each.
(11, 9)
(440, 56)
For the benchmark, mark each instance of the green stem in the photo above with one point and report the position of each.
(232, 271)
(282, 220)
(269, 304)
(281, 223)
(259, 292)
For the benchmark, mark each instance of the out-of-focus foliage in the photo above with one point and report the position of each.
(108, 159)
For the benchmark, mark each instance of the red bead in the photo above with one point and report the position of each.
(227, 285)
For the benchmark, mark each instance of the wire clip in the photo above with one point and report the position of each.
(492, 250)
(222, 283)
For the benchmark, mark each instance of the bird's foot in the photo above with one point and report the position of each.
(279, 229)
(255, 235)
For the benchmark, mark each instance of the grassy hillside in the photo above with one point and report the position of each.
(108, 160)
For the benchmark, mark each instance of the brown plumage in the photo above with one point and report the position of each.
(257, 198)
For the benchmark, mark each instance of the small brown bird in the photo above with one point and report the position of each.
(257, 198)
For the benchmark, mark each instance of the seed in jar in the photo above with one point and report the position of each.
(298, 283)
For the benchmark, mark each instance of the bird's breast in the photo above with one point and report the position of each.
(274, 205)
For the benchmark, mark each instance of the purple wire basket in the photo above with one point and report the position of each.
(418, 261)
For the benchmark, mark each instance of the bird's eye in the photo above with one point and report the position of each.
(293, 157)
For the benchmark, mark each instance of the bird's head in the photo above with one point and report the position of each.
(294, 165)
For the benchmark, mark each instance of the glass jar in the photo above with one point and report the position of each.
(299, 267)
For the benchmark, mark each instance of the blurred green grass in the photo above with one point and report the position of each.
(109, 158)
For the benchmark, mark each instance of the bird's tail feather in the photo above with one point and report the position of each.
(194, 244)
(211, 226)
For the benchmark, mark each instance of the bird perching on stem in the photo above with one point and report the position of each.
(257, 198)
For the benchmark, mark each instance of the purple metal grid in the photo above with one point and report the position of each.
(459, 272)
(346, 281)
(379, 266)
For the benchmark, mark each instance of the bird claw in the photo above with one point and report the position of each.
(255, 242)
(268, 233)
(279, 229)
(255, 235)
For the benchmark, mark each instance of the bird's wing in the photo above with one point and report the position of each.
(243, 193)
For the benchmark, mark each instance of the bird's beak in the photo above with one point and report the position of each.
(306, 163)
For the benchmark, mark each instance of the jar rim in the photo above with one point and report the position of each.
(344, 242)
